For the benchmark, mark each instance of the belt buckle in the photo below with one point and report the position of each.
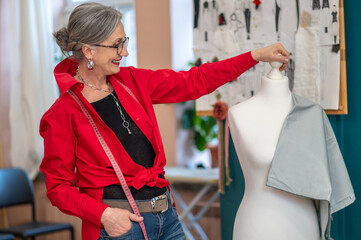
(153, 201)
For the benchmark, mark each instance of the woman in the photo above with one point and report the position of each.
(80, 179)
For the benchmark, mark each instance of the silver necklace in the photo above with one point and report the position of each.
(125, 122)
(91, 85)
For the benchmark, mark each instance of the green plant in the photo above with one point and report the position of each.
(204, 127)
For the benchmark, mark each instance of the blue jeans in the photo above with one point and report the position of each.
(159, 226)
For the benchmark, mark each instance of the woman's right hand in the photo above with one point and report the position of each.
(275, 52)
(117, 221)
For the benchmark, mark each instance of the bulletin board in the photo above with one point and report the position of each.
(319, 20)
(342, 109)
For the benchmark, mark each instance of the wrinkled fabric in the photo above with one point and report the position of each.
(75, 165)
(308, 162)
(307, 80)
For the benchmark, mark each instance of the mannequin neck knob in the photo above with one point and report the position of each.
(275, 73)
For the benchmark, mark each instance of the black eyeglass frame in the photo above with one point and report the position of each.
(119, 47)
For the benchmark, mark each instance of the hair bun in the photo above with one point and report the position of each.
(62, 39)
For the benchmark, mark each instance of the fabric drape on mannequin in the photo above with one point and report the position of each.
(32, 85)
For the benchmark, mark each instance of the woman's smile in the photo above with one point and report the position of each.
(117, 61)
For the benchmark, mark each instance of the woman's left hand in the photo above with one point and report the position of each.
(275, 52)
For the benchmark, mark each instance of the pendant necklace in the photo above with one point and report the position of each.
(125, 122)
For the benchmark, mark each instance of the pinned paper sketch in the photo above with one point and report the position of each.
(307, 73)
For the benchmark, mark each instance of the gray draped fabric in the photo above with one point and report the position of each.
(308, 162)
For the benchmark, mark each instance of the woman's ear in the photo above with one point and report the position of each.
(87, 51)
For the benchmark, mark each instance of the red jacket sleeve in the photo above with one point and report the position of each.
(59, 168)
(168, 86)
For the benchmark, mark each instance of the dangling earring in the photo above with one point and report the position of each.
(90, 64)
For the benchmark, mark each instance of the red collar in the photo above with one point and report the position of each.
(64, 73)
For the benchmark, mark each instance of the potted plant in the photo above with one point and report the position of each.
(204, 128)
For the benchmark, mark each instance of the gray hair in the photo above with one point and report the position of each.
(89, 23)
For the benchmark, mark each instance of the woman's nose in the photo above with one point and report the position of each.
(124, 52)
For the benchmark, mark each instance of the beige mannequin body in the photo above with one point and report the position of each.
(267, 213)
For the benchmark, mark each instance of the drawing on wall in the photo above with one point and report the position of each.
(277, 19)
(334, 23)
(226, 28)
(290, 71)
(247, 18)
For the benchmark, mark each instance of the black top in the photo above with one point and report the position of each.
(136, 145)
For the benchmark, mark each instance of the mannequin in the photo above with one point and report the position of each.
(265, 212)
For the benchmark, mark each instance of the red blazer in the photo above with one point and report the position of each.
(75, 165)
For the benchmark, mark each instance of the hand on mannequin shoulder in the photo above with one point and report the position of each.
(275, 52)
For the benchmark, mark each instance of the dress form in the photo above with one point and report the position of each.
(265, 212)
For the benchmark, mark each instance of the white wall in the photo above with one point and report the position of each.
(181, 17)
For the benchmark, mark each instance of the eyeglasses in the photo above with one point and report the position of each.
(120, 46)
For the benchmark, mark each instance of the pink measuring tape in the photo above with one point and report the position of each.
(111, 159)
